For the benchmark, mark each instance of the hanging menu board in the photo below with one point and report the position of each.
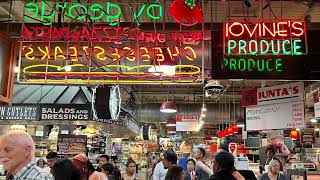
(72, 144)
(308, 136)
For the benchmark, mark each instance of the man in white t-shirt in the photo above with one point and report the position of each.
(161, 169)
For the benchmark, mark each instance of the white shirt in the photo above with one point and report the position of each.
(159, 172)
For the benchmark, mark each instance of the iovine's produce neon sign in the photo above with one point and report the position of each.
(265, 37)
(254, 64)
(108, 12)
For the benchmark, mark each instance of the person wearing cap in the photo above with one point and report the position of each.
(86, 168)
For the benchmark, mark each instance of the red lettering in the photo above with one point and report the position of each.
(106, 34)
(295, 90)
(56, 34)
(85, 34)
(285, 92)
(26, 35)
(96, 35)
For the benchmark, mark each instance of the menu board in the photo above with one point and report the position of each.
(308, 136)
(72, 144)
(252, 142)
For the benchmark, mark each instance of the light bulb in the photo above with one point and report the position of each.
(313, 120)
(16, 69)
(67, 68)
(203, 108)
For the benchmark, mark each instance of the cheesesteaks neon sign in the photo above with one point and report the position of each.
(265, 37)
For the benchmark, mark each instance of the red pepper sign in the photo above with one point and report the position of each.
(233, 148)
(181, 12)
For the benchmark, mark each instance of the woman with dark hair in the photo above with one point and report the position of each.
(112, 172)
(223, 166)
(86, 168)
(132, 171)
(65, 170)
(191, 173)
(175, 172)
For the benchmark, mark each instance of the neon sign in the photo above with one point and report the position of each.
(254, 64)
(105, 34)
(265, 37)
(108, 12)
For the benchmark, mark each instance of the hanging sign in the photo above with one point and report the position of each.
(275, 116)
(65, 112)
(281, 93)
(71, 144)
(265, 37)
(19, 113)
(187, 123)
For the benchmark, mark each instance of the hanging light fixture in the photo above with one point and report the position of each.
(203, 109)
(294, 134)
(171, 122)
(240, 124)
(167, 67)
(168, 107)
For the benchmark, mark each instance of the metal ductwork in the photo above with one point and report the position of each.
(215, 114)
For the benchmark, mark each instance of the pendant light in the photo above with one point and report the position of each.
(171, 122)
(294, 134)
(168, 106)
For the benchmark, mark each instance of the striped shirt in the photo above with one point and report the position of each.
(32, 172)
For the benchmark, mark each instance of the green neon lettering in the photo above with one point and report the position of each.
(255, 47)
(242, 46)
(279, 65)
(152, 16)
(267, 65)
(136, 17)
(251, 61)
(46, 19)
(226, 61)
(114, 17)
(33, 8)
(273, 47)
(78, 17)
(230, 47)
(261, 47)
(261, 65)
(96, 8)
(296, 47)
(242, 65)
(284, 47)
(233, 63)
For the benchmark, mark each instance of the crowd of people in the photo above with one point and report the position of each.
(17, 156)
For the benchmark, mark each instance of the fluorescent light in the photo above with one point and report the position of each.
(298, 129)
(16, 69)
(165, 70)
(313, 120)
(168, 110)
(203, 115)
(240, 125)
(67, 68)
(316, 129)
(203, 109)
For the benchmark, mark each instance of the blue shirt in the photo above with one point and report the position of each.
(183, 162)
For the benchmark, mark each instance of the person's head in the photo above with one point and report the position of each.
(170, 158)
(223, 148)
(270, 152)
(16, 150)
(274, 167)
(81, 161)
(161, 156)
(107, 169)
(191, 164)
(186, 155)
(223, 161)
(131, 166)
(52, 157)
(65, 170)
(175, 172)
(90, 167)
(104, 159)
(200, 153)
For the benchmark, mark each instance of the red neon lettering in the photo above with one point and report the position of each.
(299, 28)
(56, 34)
(26, 34)
(233, 24)
(95, 34)
(118, 33)
(271, 32)
(251, 33)
(85, 34)
(126, 32)
(284, 32)
(107, 35)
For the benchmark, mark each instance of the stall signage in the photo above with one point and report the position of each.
(281, 93)
(308, 136)
(265, 37)
(275, 116)
(19, 113)
(187, 123)
(65, 112)
(317, 110)
(71, 144)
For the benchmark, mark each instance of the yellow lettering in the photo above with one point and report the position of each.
(74, 56)
(101, 53)
(85, 49)
(131, 56)
(116, 53)
(193, 53)
(174, 54)
(145, 54)
(28, 54)
(45, 53)
(160, 56)
(58, 53)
